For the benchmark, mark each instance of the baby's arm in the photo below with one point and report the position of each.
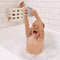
(26, 22)
(34, 13)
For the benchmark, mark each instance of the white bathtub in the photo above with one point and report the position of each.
(14, 39)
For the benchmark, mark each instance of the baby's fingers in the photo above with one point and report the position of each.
(25, 11)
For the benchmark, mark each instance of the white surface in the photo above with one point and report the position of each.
(7, 55)
(14, 39)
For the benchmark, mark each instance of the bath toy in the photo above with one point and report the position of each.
(29, 9)
(35, 34)
(17, 14)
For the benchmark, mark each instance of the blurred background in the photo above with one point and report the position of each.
(49, 11)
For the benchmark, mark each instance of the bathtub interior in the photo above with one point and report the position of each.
(5, 54)
(14, 39)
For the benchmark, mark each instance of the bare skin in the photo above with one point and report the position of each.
(35, 34)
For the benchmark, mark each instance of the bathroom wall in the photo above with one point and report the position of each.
(49, 11)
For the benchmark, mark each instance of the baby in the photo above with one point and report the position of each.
(35, 34)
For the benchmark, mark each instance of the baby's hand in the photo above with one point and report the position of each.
(33, 12)
(25, 12)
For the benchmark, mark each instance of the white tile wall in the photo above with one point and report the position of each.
(49, 11)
